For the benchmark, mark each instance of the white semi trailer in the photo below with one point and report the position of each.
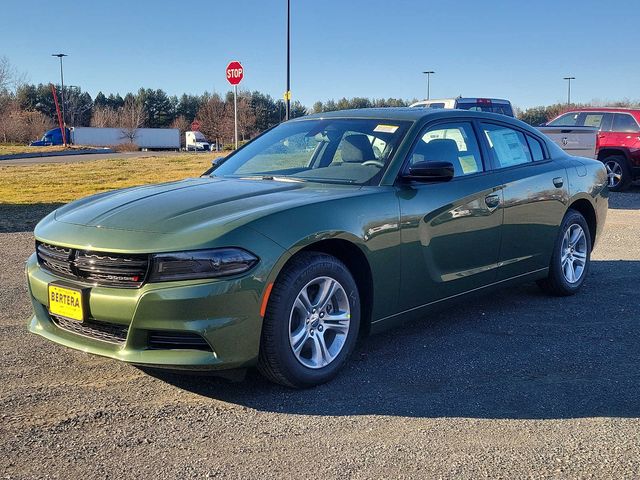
(144, 138)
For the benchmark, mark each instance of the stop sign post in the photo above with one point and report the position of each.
(235, 74)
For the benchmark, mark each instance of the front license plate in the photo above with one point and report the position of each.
(66, 302)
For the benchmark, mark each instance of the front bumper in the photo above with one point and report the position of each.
(225, 312)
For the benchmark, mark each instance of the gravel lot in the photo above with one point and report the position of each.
(518, 385)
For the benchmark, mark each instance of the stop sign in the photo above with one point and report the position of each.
(195, 125)
(234, 73)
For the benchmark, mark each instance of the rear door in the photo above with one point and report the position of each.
(623, 133)
(450, 230)
(535, 197)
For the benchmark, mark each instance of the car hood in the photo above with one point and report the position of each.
(192, 204)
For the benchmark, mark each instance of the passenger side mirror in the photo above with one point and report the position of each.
(216, 162)
(430, 172)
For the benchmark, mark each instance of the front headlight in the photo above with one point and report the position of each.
(219, 262)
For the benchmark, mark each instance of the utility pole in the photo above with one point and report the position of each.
(428, 74)
(287, 94)
(569, 88)
(64, 121)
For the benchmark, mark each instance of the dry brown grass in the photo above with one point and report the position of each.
(11, 149)
(8, 149)
(64, 182)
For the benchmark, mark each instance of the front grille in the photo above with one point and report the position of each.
(106, 332)
(166, 340)
(98, 268)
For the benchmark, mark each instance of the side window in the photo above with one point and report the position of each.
(623, 122)
(537, 152)
(508, 147)
(451, 142)
(593, 120)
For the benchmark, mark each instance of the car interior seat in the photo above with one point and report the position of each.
(439, 150)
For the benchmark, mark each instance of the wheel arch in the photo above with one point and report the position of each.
(605, 152)
(587, 210)
(349, 253)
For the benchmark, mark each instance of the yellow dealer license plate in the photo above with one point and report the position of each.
(66, 302)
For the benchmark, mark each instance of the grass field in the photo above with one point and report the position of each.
(64, 182)
(10, 149)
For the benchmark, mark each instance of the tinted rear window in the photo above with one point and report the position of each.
(623, 122)
(487, 107)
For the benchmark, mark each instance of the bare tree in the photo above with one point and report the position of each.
(132, 116)
(10, 78)
(212, 118)
(246, 118)
(104, 117)
(182, 124)
(21, 126)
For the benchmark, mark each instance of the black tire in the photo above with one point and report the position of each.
(276, 360)
(621, 166)
(556, 283)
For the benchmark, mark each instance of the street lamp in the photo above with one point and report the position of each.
(569, 88)
(60, 55)
(428, 74)
(287, 94)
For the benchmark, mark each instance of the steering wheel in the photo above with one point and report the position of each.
(377, 163)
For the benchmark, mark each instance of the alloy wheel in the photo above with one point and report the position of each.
(319, 322)
(574, 253)
(614, 173)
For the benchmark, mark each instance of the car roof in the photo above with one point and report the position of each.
(610, 109)
(404, 113)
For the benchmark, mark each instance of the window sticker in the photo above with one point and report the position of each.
(386, 128)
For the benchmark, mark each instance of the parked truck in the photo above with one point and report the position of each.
(144, 138)
(196, 141)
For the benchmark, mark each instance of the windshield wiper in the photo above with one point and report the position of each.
(277, 178)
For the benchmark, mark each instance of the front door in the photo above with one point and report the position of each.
(450, 231)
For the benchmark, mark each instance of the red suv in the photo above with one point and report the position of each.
(618, 144)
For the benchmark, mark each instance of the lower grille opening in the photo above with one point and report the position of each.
(106, 332)
(167, 340)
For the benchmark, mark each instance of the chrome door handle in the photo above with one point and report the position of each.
(558, 182)
(492, 201)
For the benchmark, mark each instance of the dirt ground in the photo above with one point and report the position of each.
(517, 385)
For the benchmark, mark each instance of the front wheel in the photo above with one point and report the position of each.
(311, 322)
(571, 257)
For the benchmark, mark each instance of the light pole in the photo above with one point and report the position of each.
(60, 55)
(288, 92)
(569, 88)
(428, 74)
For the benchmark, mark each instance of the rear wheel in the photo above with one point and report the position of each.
(618, 172)
(311, 322)
(571, 257)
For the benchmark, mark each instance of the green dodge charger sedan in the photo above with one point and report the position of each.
(321, 229)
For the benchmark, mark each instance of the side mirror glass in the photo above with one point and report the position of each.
(430, 172)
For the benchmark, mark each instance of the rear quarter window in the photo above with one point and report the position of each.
(537, 152)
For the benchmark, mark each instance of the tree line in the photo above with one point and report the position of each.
(27, 110)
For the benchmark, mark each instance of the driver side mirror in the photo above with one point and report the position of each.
(430, 172)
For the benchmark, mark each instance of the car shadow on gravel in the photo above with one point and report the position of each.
(23, 218)
(517, 353)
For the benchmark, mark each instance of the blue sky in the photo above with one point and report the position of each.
(517, 49)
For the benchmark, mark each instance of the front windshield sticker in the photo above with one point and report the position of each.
(386, 128)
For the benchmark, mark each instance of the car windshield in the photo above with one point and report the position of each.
(348, 151)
